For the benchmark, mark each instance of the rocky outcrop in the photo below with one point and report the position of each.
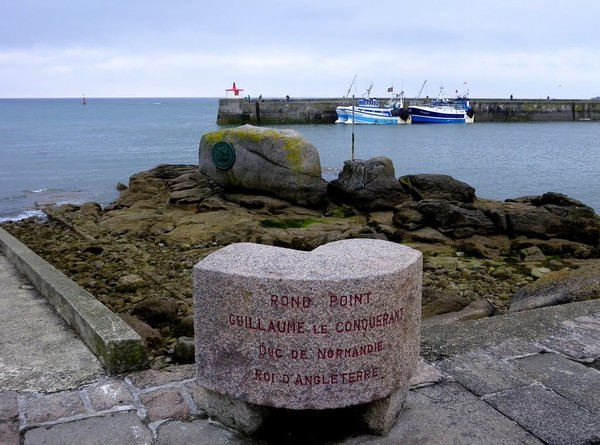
(368, 185)
(444, 187)
(454, 219)
(555, 228)
(279, 163)
(551, 215)
(559, 287)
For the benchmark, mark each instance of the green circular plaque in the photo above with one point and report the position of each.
(223, 155)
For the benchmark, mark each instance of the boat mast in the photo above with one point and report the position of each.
(352, 127)
(422, 86)
(349, 88)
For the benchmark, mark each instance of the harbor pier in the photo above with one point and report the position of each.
(285, 111)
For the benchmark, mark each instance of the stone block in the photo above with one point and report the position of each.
(117, 428)
(164, 403)
(46, 408)
(449, 414)
(197, 432)
(109, 393)
(9, 405)
(570, 379)
(335, 327)
(549, 416)
(9, 433)
(153, 377)
(483, 374)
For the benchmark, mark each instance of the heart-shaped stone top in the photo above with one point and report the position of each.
(334, 327)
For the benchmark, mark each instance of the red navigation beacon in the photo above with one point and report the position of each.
(236, 90)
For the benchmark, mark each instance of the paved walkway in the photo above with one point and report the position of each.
(527, 378)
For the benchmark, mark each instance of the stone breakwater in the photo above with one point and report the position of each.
(322, 111)
(136, 255)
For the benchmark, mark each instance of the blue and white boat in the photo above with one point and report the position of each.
(442, 110)
(370, 111)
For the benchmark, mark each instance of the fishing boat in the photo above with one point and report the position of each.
(370, 111)
(442, 110)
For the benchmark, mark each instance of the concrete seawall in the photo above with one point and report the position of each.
(322, 111)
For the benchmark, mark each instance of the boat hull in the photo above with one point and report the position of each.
(418, 118)
(381, 116)
(438, 115)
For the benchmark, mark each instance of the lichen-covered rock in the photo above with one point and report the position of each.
(559, 287)
(430, 186)
(281, 163)
(368, 185)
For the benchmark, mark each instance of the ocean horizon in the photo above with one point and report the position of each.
(56, 150)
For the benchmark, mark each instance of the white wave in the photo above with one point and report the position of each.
(27, 214)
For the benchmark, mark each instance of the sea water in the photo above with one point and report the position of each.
(61, 151)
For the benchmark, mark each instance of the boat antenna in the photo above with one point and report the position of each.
(422, 86)
(353, 127)
(349, 88)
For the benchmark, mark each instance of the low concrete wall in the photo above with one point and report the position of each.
(322, 111)
(117, 346)
(277, 111)
(531, 110)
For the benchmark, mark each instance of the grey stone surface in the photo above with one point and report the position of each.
(280, 162)
(380, 415)
(448, 414)
(570, 379)
(117, 346)
(549, 416)
(330, 328)
(235, 413)
(9, 433)
(483, 374)
(120, 428)
(39, 352)
(514, 348)
(197, 432)
(9, 418)
(578, 338)
(545, 325)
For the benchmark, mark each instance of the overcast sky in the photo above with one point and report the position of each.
(191, 48)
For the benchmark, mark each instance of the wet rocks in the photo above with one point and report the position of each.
(552, 215)
(130, 283)
(454, 219)
(532, 253)
(156, 311)
(368, 185)
(430, 186)
(576, 226)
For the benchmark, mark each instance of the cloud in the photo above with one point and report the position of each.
(310, 48)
